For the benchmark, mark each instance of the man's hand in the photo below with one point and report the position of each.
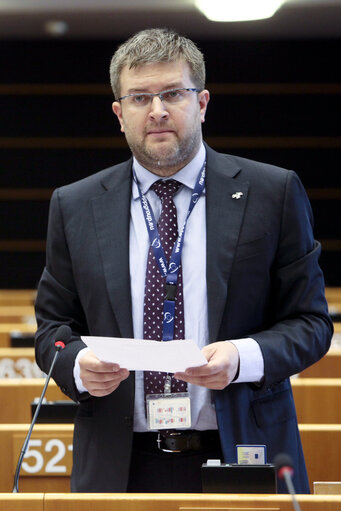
(100, 378)
(222, 367)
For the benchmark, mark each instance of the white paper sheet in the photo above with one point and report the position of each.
(145, 355)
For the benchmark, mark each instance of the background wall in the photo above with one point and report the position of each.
(276, 101)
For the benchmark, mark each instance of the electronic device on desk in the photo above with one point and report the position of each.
(252, 474)
(22, 340)
(55, 412)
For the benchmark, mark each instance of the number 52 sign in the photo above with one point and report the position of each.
(46, 455)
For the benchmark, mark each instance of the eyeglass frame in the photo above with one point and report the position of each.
(152, 95)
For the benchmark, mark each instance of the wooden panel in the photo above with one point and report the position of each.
(7, 328)
(31, 483)
(327, 488)
(22, 502)
(328, 367)
(322, 450)
(16, 396)
(317, 400)
(18, 363)
(46, 455)
(333, 294)
(17, 296)
(320, 443)
(188, 502)
(17, 314)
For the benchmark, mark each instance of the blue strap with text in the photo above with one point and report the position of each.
(171, 270)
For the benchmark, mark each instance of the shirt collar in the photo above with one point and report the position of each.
(187, 175)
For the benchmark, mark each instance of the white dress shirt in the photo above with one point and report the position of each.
(194, 288)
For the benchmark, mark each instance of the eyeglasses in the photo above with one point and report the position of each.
(171, 97)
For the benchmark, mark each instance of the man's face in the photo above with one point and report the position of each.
(163, 137)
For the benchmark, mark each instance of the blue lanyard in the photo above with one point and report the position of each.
(170, 271)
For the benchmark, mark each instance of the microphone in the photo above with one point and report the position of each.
(63, 335)
(285, 470)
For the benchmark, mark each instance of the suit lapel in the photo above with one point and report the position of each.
(112, 216)
(224, 215)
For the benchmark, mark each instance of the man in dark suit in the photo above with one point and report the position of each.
(250, 286)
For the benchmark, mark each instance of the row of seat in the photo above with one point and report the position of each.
(7, 329)
(48, 465)
(17, 297)
(20, 363)
(318, 400)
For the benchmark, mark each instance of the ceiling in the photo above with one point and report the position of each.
(117, 19)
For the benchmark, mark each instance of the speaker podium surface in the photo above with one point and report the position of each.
(163, 502)
(22, 502)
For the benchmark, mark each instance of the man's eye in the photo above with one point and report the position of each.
(172, 95)
(140, 99)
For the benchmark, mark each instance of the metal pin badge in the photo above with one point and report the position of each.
(237, 195)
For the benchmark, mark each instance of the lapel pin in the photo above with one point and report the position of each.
(237, 195)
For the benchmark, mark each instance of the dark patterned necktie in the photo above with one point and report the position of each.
(154, 295)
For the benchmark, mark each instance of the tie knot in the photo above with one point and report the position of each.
(166, 189)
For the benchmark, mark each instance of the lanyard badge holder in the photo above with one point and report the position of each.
(169, 410)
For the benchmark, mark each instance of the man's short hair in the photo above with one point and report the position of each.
(157, 45)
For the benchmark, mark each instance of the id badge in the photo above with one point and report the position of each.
(251, 454)
(168, 411)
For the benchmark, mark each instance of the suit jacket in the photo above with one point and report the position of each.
(263, 281)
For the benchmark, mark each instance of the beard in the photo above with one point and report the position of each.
(166, 157)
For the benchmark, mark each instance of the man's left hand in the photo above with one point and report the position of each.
(222, 367)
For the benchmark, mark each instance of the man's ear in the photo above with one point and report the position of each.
(204, 97)
(116, 108)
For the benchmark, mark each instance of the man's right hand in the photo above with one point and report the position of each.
(100, 378)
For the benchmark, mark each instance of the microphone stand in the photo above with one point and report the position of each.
(291, 489)
(285, 470)
(59, 346)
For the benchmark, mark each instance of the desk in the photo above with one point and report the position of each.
(16, 396)
(317, 400)
(17, 296)
(22, 502)
(320, 442)
(7, 328)
(17, 314)
(18, 363)
(164, 502)
(188, 502)
(328, 367)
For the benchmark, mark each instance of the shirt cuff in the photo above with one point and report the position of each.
(251, 362)
(76, 371)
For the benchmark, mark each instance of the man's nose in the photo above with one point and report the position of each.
(158, 109)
